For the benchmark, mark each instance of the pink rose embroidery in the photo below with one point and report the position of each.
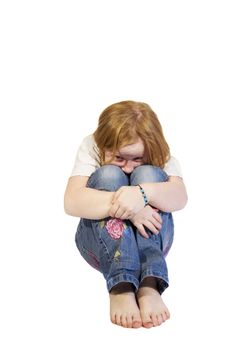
(115, 228)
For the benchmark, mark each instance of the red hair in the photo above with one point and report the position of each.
(123, 123)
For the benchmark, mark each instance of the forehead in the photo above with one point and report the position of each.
(136, 148)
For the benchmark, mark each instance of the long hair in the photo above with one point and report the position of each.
(123, 123)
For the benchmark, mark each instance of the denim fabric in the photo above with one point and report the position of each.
(131, 257)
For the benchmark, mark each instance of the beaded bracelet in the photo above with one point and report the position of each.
(144, 195)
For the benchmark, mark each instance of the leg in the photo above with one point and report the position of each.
(110, 246)
(152, 252)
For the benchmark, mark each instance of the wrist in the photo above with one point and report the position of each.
(144, 195)
(148, 189)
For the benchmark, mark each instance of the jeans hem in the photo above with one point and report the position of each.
(162, 280)
(122, 278)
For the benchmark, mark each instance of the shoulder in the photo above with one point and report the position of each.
(89, 146)
(172, 167)
(87, 158)
(88, 141)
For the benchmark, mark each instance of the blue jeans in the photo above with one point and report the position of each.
(128, 257)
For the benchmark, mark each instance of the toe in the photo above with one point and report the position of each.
(124, 322)
(148, 324)
(136, 321)
(147, 321)
(167, 314)
(137, 324)
(118, 320)
(160, 319)
(155, 320)
(113, 319)
(129, 321)
(164, 316)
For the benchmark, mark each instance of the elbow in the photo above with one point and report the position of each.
(71, 207)
(68, 207)
(178, 204)
(67, 210)
(182, 197)
(71, 211)
(183, 201)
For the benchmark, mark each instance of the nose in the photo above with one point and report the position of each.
(128, 167)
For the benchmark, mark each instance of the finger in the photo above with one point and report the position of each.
(110, 213)
(151, 227)
(157, 217)
(120, 213)
(155, 209)
(142, 231)
(125, 215)
(156, 223)
(113, 210)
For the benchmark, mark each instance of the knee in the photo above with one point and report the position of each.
(108, 177)
(112, 173)
(148, 173)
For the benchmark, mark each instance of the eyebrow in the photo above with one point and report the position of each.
(122, 156)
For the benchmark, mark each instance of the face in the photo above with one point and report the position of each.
(128, 157)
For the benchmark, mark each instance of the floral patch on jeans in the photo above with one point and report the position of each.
(115, 228)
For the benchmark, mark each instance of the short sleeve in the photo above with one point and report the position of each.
(173, 168)
(87, 160)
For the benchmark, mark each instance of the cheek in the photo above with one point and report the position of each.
(114, 162)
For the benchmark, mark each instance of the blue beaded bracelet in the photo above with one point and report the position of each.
(144, 195)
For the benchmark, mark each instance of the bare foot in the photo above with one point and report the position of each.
(152, 308)
(124, 310)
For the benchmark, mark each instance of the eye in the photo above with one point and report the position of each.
(118, 158)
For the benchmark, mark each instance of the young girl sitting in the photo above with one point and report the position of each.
(124, 186)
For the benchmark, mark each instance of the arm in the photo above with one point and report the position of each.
(167, 196)
(86, 202)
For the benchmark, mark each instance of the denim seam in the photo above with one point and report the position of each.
(105, 248)
(87, 255)
(122, 278)
(153, 273)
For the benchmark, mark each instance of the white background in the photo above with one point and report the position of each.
(62, 63)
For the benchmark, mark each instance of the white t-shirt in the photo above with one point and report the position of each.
(87, 160)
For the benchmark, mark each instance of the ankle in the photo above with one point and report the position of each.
(123, 287)
(149, 282)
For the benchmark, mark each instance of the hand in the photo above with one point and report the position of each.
(148, 217)
(126, 202)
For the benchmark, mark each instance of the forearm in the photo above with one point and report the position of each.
(166, 196)
(88, 203)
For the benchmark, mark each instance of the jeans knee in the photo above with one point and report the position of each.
(108, 177)
(148, 173)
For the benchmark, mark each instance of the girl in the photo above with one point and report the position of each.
(124, 186)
